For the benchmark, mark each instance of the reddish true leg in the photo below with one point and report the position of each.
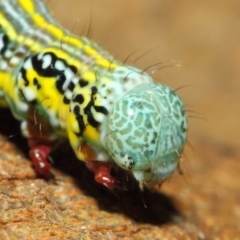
(101, 169)
(39, 154)
(102, 173)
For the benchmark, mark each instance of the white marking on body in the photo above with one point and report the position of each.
(23, 107)
(8, 54)
(40, 55)
(19, 77)
(28, 64)
(29, 94)
(69, 76)
(53, 118)
(130, 112)
(68, 94)
(44, 37)
(1, 41)
(97, 115)
(24, 130)
(59, 65)
(4, 65)
(15, 15)
(14, 60)
(47, 60)
(75, 80)
(102, 157)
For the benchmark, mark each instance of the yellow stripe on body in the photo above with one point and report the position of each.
(7, 25)
(7, 84)
(64, 37)
(27, 5)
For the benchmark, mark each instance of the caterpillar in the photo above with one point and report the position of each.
(62, 87)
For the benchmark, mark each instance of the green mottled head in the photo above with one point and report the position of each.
(145, 132)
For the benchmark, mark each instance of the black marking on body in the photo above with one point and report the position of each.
(131, 164)
(71, 86)
(80, 120)
(51, 71)
(24, 76)
(88, 112)
(5, 40)
(33, 102)
(60, 82)
(79, 99)
(101, 109)
(36, 83)
(22, 94)
(66, 100)
(90, 118)
(83, 83)
(94, 90)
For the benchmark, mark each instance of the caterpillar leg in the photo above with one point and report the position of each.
(102, 173)
(39, 153)
(40, 141)
(101, 170)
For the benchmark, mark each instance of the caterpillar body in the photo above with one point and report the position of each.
(64, 87)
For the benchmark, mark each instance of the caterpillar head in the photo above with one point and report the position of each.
(145, 132)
